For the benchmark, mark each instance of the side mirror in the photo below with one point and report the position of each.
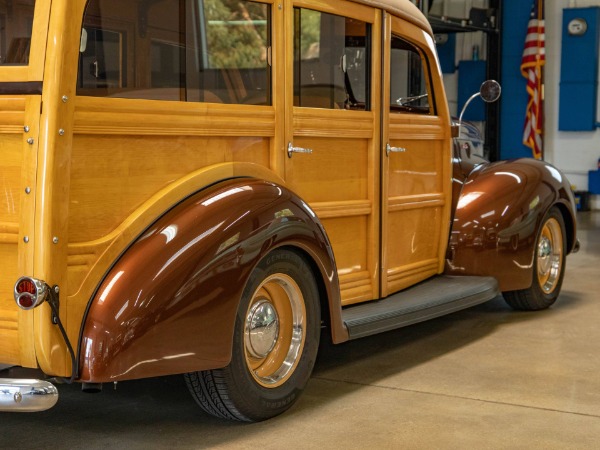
(489, 92)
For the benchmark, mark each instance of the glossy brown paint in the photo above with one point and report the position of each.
(498, 214)
(168, 305)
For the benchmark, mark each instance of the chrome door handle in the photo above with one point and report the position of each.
(389, 149)
(291, 149)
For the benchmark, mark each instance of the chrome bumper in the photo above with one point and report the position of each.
(26, 395)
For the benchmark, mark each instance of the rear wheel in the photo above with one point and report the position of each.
(548, 267)
(275, 343)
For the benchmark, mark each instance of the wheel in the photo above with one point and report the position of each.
(548, 267)
(275, 344)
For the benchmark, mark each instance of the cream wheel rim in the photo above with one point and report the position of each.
(549, 256)
(274, 330)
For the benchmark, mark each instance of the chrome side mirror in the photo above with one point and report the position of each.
(489, 92)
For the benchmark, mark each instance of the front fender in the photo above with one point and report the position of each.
(168, 304)
(497, 218)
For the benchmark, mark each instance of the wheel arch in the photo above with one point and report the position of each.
(145, 318)
(498, 215)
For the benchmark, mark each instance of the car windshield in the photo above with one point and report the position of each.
(16, 23)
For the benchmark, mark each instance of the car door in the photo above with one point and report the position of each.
(416, 159)
(333, 131)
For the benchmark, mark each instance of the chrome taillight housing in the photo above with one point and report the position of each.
(30, 292)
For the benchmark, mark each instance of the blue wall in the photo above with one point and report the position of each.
(513, 103)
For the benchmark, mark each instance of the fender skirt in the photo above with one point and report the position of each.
(498, 216)
(168, 305)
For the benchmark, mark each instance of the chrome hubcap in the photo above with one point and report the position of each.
(262, 328)
(275, 330)
(549, 256)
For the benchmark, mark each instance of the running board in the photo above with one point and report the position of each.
(435, 297)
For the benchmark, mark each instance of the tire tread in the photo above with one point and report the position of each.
(209, 389)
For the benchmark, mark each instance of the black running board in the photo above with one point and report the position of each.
(432, 298)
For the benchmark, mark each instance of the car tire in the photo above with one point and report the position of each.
(548, 267)
(275, 343)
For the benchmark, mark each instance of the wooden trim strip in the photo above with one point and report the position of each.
(154, 118)
(9, 227)
(350, 208)
(6, 325)
(9, 233)
(349, 124)
(409, 202)
(409, 270)
(9, 238)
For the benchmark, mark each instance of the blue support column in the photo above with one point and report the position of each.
(514, 96)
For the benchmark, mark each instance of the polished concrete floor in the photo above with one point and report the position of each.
(488, 377)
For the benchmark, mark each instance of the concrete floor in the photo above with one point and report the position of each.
(488, 377)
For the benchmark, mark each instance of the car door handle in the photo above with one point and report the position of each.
(291, 149)
(389, 149)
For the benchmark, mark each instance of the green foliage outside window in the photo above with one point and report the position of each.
(236, 34)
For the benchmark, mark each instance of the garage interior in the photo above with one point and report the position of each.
(485, 377)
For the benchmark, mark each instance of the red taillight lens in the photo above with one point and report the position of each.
(26, 301)
(30, 292)
(26, 285)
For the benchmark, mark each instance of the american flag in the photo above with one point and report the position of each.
(534, 58)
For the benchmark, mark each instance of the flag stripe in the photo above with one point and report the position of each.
(533, 59)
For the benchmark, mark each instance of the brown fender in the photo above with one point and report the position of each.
(168, 304)
(497, 218)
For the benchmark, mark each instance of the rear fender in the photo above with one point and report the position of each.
(168, 305)
(498, 216)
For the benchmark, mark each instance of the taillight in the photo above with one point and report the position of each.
(30, 292)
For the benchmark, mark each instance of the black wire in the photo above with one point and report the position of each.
(66, 338)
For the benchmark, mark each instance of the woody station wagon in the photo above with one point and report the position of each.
(201, 186)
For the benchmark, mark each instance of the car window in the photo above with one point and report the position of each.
(16, 24)
(183, 50)
(331, 61)
(408, 79)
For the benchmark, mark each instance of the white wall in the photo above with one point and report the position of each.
(574, 152)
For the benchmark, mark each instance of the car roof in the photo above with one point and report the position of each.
(403, 9)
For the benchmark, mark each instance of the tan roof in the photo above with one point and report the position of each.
(403, 9)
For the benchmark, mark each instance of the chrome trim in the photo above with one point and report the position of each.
(389, 149)
(403, 101)
(262, 329)
(291, 149)
(26, 395)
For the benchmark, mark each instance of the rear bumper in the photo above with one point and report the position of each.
(26, 395)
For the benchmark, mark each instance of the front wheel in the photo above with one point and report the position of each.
(548, 267)
(275, 343)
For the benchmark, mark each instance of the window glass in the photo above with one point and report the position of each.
(16, 23)
(331, 61)
(408, 79)
(185, 50)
